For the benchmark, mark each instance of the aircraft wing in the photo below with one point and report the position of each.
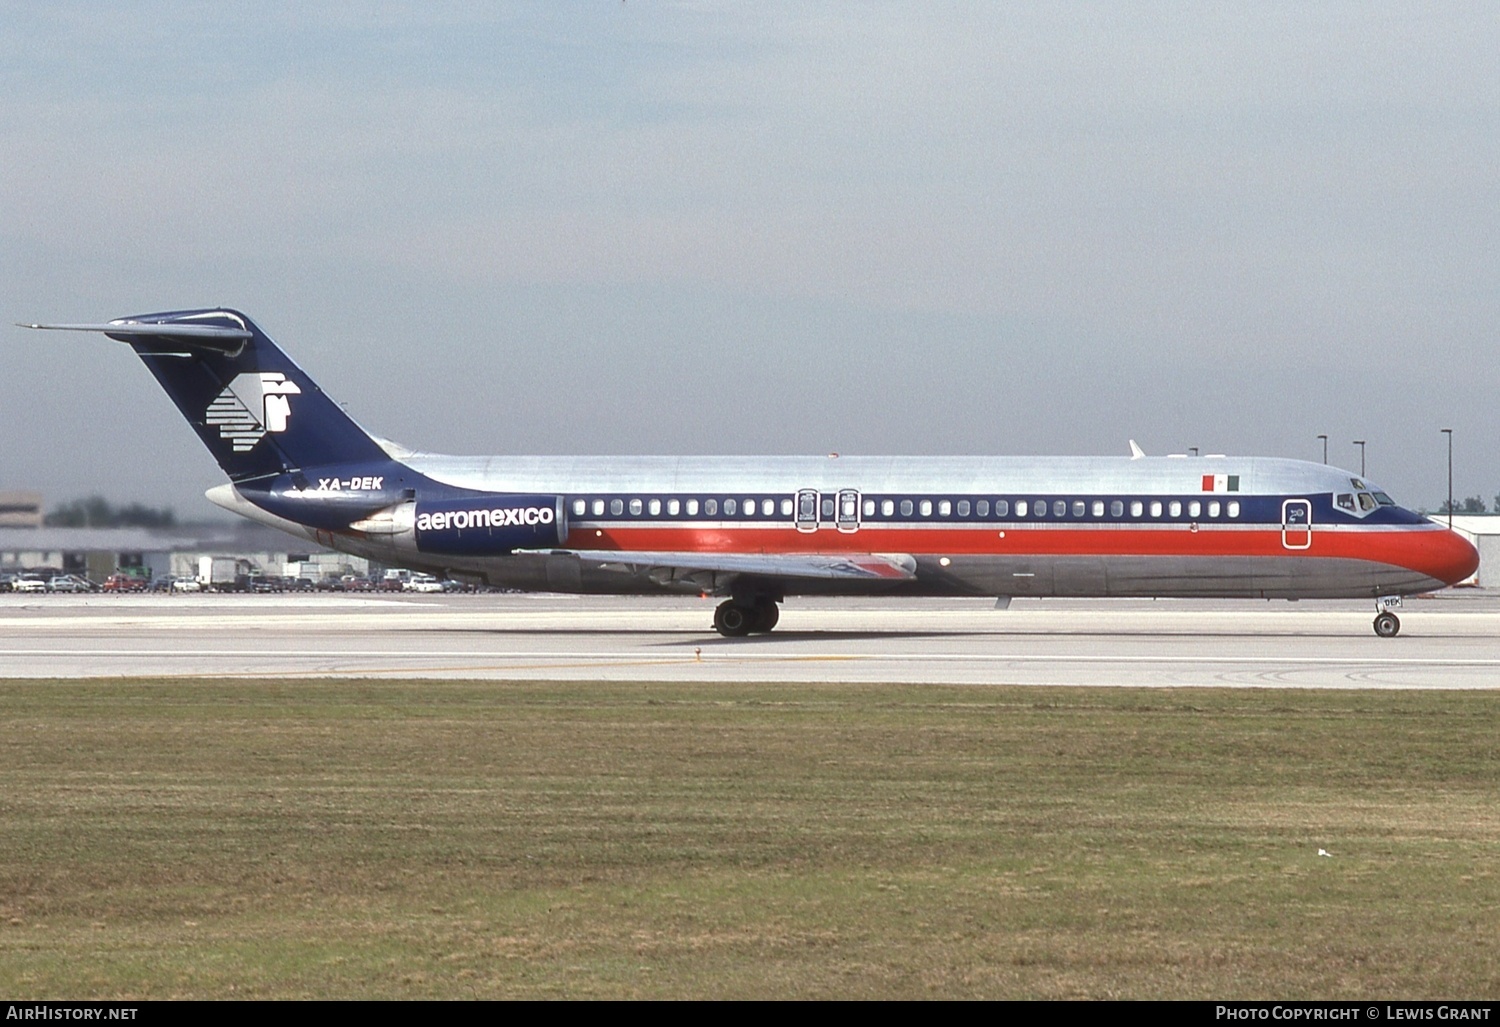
(841, 566)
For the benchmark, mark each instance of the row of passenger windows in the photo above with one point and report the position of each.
(732, 507)
(1036, 509)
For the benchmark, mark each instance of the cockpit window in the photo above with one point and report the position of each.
(1366, 501)
(1359, 486)
(1384, 500)
(1345, 501)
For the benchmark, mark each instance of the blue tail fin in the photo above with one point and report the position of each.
(258, 413)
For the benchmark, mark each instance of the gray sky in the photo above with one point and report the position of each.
(765, 228)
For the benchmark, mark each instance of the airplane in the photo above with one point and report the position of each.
(754, 530)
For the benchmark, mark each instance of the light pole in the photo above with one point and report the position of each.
(1449, 432)
(1361, 444)
(1325, 447)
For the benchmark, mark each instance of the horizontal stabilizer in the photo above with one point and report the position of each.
(215, 338)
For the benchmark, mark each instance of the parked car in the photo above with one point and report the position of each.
(422, 583)
(186, 585)
(29, 583)
(68, 583)
(125, 583)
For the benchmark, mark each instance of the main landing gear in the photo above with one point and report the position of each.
(736, 618)
(1387, 624)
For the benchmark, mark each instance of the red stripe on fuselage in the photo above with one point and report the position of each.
(1435, 551)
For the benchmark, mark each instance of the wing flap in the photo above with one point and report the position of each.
(830, 566)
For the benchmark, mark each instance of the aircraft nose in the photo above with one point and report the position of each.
(1444, 555)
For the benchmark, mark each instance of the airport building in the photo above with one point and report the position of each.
(1483, 531)
(183, 551)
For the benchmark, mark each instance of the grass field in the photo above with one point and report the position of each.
(401, 839)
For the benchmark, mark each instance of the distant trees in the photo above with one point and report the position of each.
(1472, 505)
(98, 512)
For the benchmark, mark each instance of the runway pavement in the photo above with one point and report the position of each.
(1448, 641)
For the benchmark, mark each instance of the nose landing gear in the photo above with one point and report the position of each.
(1387, 624)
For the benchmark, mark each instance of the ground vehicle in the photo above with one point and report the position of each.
(756, 529)
(29, 583)
(68, 583)
(124, 583)
(422, 583)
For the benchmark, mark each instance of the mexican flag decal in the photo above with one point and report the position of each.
(1221, 483)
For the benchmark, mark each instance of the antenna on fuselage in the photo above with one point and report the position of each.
(1136, 452)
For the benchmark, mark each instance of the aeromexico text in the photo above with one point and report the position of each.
(490, 525)
(494, 517)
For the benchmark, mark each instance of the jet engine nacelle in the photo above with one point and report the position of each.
(486, 525)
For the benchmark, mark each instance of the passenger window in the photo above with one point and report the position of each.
(1156, 508)
(655, 507)
(616, 507)
(692, 508)
(1020, 508)
(711, 507)
(982, 508)
(906, 508)
(579, 506)
(945, 508)
(1116, 508)
(1175, 509)
(963, 508)
(869, 506)
(1059, 508)
(1002, 508)
(598, 508)
(635, 508)
(926, 508)
(1195, 508)
(887, 507)
(1040, 508)
(731, 506)
(786, 508)
(1078, 507)
(827, 508)
(1098, 508)
(674, 506)
(1234, 508)
(1136, 508)
(749, 508)
(1213, 508)
(768, 507)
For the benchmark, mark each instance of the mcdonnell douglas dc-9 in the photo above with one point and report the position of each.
(754, 530)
